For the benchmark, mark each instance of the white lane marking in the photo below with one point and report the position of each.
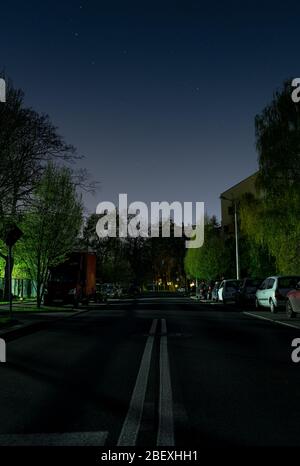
(163, 327)
(132, 423)
(165, 434)
(286, 324)
(271, 320)
(73, 439)
(258, 317)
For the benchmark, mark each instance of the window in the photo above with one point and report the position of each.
(263, 285)
(270, 283)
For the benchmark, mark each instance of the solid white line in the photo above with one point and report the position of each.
(271, 320)
(73, 439)
(132, 423)
(286, 324)
(163, 326)
(258, 317)
(165, 435)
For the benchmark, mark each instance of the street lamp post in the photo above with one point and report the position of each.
(236, 232)
(236, 229)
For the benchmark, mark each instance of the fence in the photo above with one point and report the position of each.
(21, 287)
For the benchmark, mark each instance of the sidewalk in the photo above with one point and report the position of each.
(5, 305)
(26, 322)
(280, 318)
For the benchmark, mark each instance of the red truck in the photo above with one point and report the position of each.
(73, 281)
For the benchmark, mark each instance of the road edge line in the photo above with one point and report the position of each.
(270, 320)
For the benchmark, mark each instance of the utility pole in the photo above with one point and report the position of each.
(236, 227)
(236, 234)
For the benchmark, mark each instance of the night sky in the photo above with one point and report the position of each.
(160, 97)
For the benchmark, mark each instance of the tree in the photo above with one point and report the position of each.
(139, 260)
(277, 131)
(272, 221)
(51, 225)
(214, 259)
(28, 141)
(272, 229)
(167, 257)
(112, 259)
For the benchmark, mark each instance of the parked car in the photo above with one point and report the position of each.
(110, 290)
(214, 294)
(203, 290)
(247, 291)
(293, 301)
(210, 288)
(227, 290)
(181, 290)
(100, 294)
(272, 293)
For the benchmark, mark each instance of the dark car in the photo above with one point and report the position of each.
(247, 290)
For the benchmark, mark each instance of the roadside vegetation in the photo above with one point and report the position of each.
(269, 223)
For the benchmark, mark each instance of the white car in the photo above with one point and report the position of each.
(227, 290)
(273, 290)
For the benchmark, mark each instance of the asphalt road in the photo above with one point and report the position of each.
(152, 371)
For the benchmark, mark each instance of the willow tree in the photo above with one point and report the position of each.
(272, 221)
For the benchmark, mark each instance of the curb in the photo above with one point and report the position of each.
(278, 322)
(27, 329)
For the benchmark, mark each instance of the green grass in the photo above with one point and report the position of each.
(33, 308)
(17, 301)
(4, 321)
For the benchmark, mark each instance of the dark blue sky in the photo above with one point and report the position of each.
(160, 97)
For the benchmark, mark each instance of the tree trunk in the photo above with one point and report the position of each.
(38, 294)
(6, 277)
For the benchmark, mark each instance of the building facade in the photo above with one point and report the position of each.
(233, 195)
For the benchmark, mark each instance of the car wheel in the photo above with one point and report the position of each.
(272, 307)
(289, 310)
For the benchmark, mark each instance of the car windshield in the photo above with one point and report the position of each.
(232, 284)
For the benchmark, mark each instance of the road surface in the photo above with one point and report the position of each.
(152, 371)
